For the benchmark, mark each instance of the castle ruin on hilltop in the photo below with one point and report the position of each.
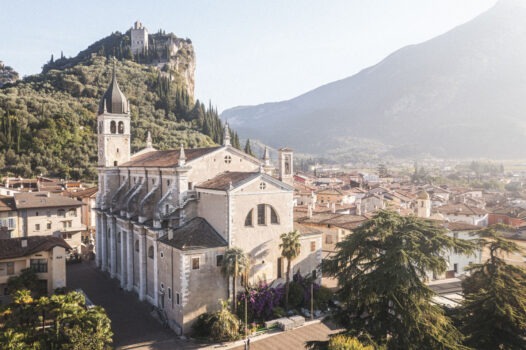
(164, 45)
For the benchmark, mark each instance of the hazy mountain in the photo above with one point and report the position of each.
(460, 94)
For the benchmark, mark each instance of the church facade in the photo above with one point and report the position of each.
(165, 218)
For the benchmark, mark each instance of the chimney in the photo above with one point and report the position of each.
(170, 234)
(333, 209)
(309, 211)
(23, 242)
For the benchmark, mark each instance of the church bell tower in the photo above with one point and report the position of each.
(113, 126)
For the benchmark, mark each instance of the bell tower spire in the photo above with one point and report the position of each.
(113, 125)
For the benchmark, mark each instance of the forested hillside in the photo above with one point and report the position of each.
(47, 121)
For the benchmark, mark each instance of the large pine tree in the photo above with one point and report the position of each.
(381, 269)
(493, 315)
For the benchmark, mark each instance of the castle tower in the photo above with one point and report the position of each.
(285, 160)
(139, 38)
(423, 205)
(113, 126)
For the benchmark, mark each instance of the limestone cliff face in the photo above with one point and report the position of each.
(175, 57)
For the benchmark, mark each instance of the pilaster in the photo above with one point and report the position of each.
(113, 245)
(124, 258)
(104, 243)
(98, 240)
(142, 266)
(129, 261)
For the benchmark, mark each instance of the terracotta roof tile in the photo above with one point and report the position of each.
(167, 158)
(223, 181)
(461, 209)
(195, 234)
(12, 247)
(43, 200)
(7, 204)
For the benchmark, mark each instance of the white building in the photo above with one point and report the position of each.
(165, 218)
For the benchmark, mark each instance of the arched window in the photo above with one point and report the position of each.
(137, 245)
(228, 159)
(261, 214)
(150, 252)
(273, 216)
(61, 213)
(121, 127)
(248, 219)
(113, 127)
(72, 212)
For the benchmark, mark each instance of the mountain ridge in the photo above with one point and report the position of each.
(431, 97)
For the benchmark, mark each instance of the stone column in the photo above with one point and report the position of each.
(113, 246)
(98, 239)
(129, 261)
(155, 276)
(124, 256)
(103, 243)
(142, 267)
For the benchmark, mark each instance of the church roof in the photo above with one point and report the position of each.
(167, 158)
(223, 181)
(113, 99)
(195, 234)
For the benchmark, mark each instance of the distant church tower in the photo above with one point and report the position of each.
(139, 38)
(286, 172)
(423, 205)
(113, 126)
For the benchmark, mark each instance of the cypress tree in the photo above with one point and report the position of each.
(248, 148)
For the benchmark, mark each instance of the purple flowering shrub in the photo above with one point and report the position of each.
(262, 299)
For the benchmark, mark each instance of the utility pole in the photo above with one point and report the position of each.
(312, 301)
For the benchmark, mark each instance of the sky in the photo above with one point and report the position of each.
(247, 52)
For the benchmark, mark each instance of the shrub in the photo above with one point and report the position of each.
(296, 294)
(261, 301)
(342, 342)
(224, 325)
(201, 326)
(278, 312)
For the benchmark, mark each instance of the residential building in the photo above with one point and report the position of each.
(46, 214)
(46, 255)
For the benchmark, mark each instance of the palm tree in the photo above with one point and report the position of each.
(290, 249)
(235, 263)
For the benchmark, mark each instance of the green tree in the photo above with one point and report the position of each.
(290, 249)
(27, 279)
(235, 264)
(248, 148)
(59, 322)
(493, 314)
(224, 325)
(381, 270)
(342, 342)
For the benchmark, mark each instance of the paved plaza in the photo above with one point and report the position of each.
(135, 328)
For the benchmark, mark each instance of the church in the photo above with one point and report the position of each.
(166, 217)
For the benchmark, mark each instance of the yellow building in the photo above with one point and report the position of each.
(46, 255)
